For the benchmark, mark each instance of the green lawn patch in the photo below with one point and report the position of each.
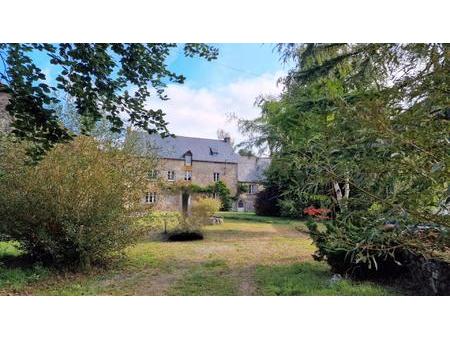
(311, 279)
(211, 278)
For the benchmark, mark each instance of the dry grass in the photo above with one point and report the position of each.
(226, 262)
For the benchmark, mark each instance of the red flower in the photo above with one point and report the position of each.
(318, 213)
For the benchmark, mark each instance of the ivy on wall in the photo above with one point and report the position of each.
(220, 188)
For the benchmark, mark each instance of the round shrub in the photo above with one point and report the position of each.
(203, 209)
(74, 207)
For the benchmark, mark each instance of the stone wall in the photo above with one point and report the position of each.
(202, 175)
(248, 199)
(202, 172)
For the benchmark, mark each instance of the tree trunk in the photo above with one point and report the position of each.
(347, 188)
(337, 190)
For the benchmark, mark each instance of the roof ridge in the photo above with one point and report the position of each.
(197, 138)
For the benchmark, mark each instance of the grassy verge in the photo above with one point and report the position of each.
(311, 279)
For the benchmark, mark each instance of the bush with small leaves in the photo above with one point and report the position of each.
(203, 209)
(75, 207)
(190, 226)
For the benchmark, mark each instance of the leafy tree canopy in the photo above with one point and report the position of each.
(363, 129)
(105, 80)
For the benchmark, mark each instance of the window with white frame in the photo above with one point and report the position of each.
(216, 177)
(188, 175)
(150, 197)
(252, 189)
(188, 158)
(171, 175)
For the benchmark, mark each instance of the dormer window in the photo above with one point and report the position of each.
(213, 151)
(188, 158)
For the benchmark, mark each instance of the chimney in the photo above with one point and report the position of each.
(227, 139)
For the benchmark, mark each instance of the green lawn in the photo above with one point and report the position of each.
(247, 255)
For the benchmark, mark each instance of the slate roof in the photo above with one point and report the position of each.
(251, 168)
(209, 150)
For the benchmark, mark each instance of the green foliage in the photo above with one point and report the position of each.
(204, 208)
(224, 193)
(201, 211)
(98, 76)
(17, 278)
(311, 279)
(76, 206)
(219, 188)
(246, 152)
(267, 202)
(242, 188)
(362, 129)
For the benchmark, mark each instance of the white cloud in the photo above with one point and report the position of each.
(200, 112)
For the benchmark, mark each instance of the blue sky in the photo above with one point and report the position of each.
(214, 89)
(235, 61)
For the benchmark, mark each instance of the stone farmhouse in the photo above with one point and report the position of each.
(201, 162)
(190, 160)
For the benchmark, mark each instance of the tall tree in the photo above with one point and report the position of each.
(106, 80)
(363, 128)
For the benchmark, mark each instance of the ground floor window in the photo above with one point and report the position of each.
(240, 204)
(150, 197)
(216, 177)
(252, 189)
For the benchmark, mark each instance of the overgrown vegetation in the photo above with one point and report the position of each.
(203, 209)
(219, 188)
(75, 207)
(190, 225)
(362, 129)
(311, 279)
